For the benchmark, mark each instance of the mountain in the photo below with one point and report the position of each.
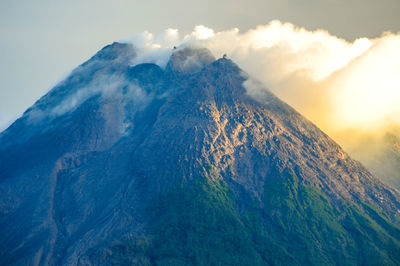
(189, 164)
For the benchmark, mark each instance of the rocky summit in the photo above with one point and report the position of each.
(189, 164)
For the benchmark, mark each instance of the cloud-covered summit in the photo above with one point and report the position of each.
(339, 85)
(336, 83)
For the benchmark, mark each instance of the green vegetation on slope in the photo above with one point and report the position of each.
(199, 224)
(305, 224)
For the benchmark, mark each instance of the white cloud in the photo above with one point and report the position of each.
(336, 83)
(155, 49)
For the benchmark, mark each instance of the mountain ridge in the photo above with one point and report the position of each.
(172, 163)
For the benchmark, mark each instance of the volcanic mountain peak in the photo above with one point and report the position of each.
(183, 166)
(189, 60)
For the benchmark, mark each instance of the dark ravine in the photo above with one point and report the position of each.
(141, 165)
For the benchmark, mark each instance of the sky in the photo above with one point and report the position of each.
(42, 41)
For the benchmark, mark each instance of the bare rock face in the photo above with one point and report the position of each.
(123, 164)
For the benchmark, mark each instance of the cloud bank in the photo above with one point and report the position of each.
(337, 84)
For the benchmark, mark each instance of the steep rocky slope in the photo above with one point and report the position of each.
(123, 164)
